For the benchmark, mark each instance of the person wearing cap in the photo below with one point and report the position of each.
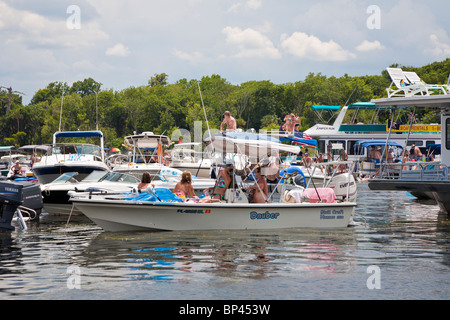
(229, 121)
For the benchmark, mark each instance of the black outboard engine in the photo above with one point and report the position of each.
(23, 196)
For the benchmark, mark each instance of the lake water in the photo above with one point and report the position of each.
(398, 250)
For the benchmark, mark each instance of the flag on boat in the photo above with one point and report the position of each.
(301, 135)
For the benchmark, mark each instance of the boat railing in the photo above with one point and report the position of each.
(415, 170)
(71, 152)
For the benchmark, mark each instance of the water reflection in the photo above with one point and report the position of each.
(226, 255)
(408, 239)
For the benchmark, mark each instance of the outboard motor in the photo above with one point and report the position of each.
(23, 196)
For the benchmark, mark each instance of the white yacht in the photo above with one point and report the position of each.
(71, 157)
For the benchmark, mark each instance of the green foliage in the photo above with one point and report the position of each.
(163, 108)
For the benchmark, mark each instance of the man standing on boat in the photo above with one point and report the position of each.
(229, 121)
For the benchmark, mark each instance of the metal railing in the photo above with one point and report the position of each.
(426, 171)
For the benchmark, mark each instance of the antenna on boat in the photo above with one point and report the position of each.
(60, 114)
(204, 111)
(346, 103)
(96, 111)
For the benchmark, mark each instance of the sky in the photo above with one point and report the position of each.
(124, 43)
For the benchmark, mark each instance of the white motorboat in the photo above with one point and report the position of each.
(56, 193)
(71, 157)
(188, 156)
(147, 155)
(162, 210)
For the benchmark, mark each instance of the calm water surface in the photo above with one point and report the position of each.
(406, 240)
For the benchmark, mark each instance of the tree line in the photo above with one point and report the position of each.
(163, 107)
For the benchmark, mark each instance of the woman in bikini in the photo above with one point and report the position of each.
(184, 188)
(222, 184)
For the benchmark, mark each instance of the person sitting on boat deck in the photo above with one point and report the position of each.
(145, 182)
(184, 188)
(307, 160)
(258, 191)
(16, 168)
(221, 186)
(229, 121)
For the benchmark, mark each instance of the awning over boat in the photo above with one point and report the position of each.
(145, 140)
(261, 147)
(370, 143)
(370, 106)
(324, 107)
(77, 134)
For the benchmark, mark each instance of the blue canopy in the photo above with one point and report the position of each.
(434, 147)
(324, 107)
(362, 105)
(370, 143)
(72, 134)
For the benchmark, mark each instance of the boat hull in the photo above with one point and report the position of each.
(119, 215)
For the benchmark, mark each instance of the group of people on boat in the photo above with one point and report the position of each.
(258, 192)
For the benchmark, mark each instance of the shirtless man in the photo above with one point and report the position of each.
(229, 121)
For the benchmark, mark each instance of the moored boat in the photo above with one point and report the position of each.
(162, 210)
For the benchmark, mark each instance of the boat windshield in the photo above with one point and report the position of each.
(119, 177)
(77, 148)
(66, 177)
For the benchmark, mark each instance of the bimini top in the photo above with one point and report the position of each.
(250, 144)
(370, 143)
(324, 107)
(147, 140)
(77, 134)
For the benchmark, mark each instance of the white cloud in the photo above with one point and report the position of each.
(36, 30)
(369, 46)
(250, 4)
(302, 45)
(438, 49)
(254, 4)
(118, 50)
(191, 57)
(250, 43)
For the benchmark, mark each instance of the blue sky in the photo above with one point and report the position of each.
(124, 43)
